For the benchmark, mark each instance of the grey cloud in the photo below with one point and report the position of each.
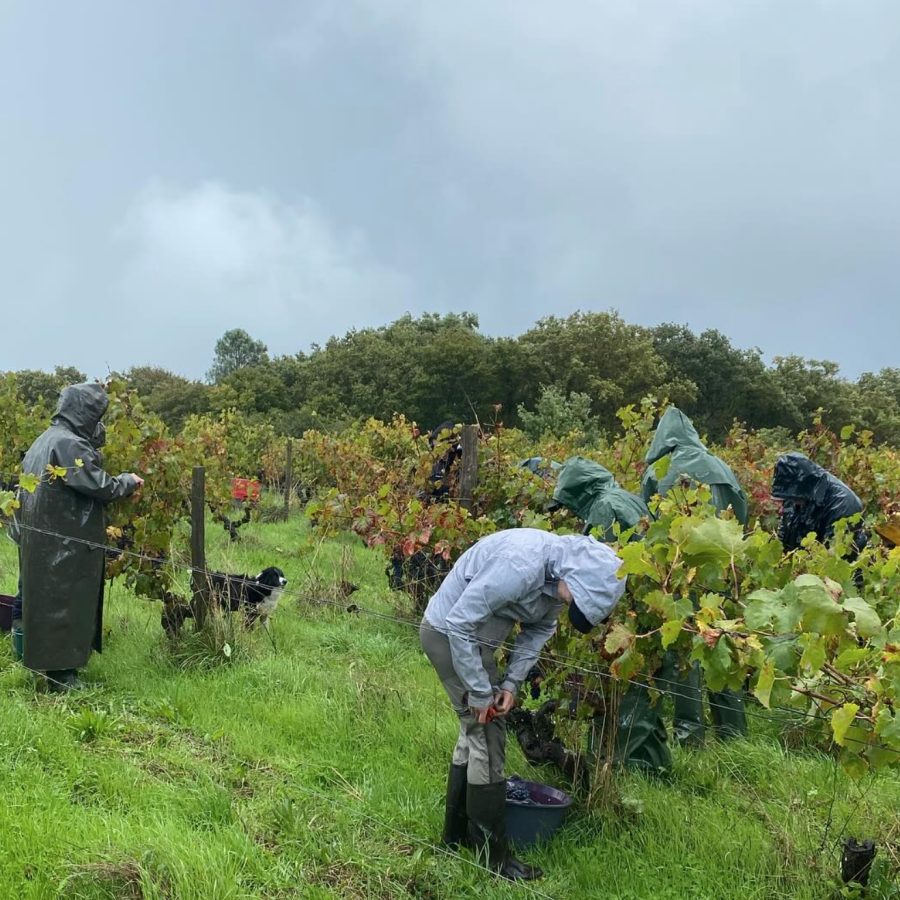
(321, 165)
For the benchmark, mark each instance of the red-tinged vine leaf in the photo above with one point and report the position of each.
(813, 652)
(841, 719)
(867, 622)
(715, 540)
(670, 632)
(711, 636)
(620, 637)
(764, 683)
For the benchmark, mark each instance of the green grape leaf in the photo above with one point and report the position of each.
(764, 684)
(762, 607)
(670, 631)
(813, 652)
(854, 766)
(887, 727)
(867, 622)
(821, 612)
(715, 540)
(634, 561)
(841, 719)
(29, 482)
(661, 467)
(716, 661)
(850, 658)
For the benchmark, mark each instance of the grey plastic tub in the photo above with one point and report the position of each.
(529, 823)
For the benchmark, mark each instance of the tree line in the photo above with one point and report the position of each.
(560, 374)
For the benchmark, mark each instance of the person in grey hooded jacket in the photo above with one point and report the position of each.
(522, 576)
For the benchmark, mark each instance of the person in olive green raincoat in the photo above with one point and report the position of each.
(62, 579)
(689, 460)
(591, 492)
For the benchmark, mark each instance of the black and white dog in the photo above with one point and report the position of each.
(256, 597)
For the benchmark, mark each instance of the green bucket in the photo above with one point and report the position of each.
(17, 641)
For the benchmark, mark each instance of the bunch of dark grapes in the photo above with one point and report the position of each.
(517, 792)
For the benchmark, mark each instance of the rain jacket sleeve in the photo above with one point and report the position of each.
(92, 481)
(497, 584)
(527, 651)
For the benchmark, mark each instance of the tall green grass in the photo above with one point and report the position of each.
(318, 771)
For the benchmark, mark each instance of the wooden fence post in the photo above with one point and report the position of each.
(288, 478)
(468, 476)
(199, 582)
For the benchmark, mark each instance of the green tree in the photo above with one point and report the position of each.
(730, 383)
(35, 385)
(812, 384)
(558, 415)
(878, 404)
(598, 354)
(172, 397)
(236, 350)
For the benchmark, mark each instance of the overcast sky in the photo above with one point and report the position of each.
(171, 169)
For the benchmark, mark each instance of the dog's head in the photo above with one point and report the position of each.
(272, 577)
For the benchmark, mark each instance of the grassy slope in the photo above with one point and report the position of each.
(212, 784)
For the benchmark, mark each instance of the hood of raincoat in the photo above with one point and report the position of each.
(590, 570)
(797, 477)
(591, 492)
(675, 431)
(689, 459)
(814, 500)
(81, 407)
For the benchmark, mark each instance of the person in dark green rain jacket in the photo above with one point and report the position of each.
(689, 460)
(61, 530)
(592, 493)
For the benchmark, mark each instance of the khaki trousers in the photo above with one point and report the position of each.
(480, 747)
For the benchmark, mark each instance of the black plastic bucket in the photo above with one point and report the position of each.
(6, 612)
(539, 817)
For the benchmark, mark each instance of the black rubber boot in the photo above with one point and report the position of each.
(486, 808)
(64, 680)
(456, 822)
